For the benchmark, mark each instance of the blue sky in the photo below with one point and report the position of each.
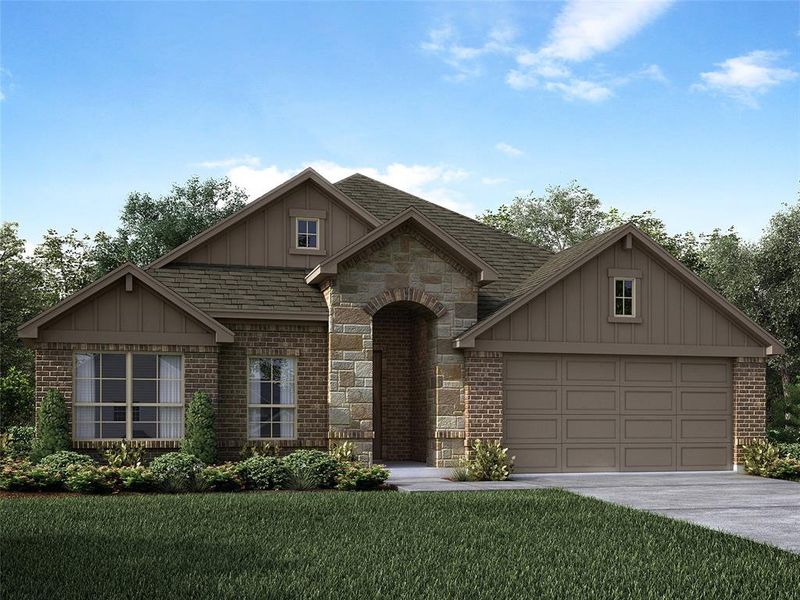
(686, 108)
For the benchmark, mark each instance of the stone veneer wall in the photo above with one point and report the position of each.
(403, 266)
(308, 343)
(484, 391)
(749, 402)
(54, 370)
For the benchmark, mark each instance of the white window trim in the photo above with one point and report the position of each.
(252, 405)
(128, 397)
(634, 291)
(297, 246)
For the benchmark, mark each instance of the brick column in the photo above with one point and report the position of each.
(484, 395)
(749, 401)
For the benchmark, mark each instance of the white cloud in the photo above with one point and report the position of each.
(432, 182)
(446, 43)
(508, 149)
(654, 73)
(227, 163)
(493, 180)
(746, 77)
(578, 89)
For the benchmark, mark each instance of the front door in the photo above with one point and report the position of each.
(377, 381)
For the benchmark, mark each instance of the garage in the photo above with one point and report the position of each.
(581, 413)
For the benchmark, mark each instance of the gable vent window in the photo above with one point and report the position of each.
(308, 233)
(624, 294)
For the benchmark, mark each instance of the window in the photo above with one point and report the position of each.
(308, 233)
(624, 290)
(271, 398)
(122, 395)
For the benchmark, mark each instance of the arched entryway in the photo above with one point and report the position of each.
(402, 373)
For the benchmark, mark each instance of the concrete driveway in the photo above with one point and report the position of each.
(764, 510)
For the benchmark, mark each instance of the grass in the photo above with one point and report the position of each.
(526, 544)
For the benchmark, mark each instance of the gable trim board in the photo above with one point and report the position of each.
(468, 339)
(261, 202)
(329, 267)
(128, 272)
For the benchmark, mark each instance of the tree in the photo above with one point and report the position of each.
(66, 263)
(52, 430)
(151, 227)
(564, 216)
(16, 399)
(200, 439)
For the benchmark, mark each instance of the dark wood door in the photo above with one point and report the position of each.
(377, 386)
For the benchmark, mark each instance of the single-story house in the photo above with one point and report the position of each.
(322, 313)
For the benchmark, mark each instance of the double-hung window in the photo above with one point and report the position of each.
(624, 295)
(271, 404)
(125, 395)
(308, 233)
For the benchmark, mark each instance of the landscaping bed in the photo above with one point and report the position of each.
(534, 544)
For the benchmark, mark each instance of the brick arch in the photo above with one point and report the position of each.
(405, 294)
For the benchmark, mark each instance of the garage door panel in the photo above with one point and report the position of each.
(591, 457)
(591, 400)
(590, 428)
(643, 429)
(704, 457)
(528, 399)
(590, 370)
(707, 428)
(653, 457)
(638, 371)
(704, 400)
(648, 400)
(539, 369)
(537, 459)
(533, 430)
(697, 372)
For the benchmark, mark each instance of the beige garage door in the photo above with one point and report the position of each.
(610, 413)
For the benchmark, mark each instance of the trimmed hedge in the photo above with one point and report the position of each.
(53, 427)
(200, 439)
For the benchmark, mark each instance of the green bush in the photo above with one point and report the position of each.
(24, 476)
(263, 473)
(460, 473)
(92, 480)
(489, 462)
(789, 450)
(137, 479)
(221, 478)
(765, 459)
(344, 453)
(17, 399)
(64, 461)
(313, 466)
(360, 478)
(53, 432)
(200, 439)
(259, 449)
(124, 455)
(18, 441)
(177, 471)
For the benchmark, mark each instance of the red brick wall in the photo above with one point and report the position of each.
(484, 395)
(308, 343)
(54, 364)
(420, 373)
(749, 401)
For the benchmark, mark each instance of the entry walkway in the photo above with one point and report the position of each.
(764, 510)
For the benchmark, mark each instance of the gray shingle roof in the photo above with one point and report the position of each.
(243, 288)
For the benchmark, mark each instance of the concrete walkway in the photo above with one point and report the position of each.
(765, 510)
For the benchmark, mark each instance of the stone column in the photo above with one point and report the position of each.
(749, 402)
(484, 395)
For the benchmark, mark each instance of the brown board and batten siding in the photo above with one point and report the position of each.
(266, 237)
(117, 316)
(573, 315)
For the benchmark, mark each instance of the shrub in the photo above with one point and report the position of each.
(92, 480)
(137, 479)
(263, 473)
(17, 399)
(489, 462)
(221, 478)
(15, 477)
(19, 441)
(313, 466)
(460, 473)
(344, 453)
(176, 471)
(259, 449)
(766, 460)
(357, 477)
(64, 461)
(789, 450)
(124, 455)
(53, 430)
(200, 439)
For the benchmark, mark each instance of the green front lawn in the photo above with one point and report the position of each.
(527, 544)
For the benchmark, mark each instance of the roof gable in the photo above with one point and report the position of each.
(126, 274)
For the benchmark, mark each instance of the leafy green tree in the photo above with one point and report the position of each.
(16, 399)
(564, 216)
(52, 430)
(200, 439)
(151, 227)
(66, 263)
